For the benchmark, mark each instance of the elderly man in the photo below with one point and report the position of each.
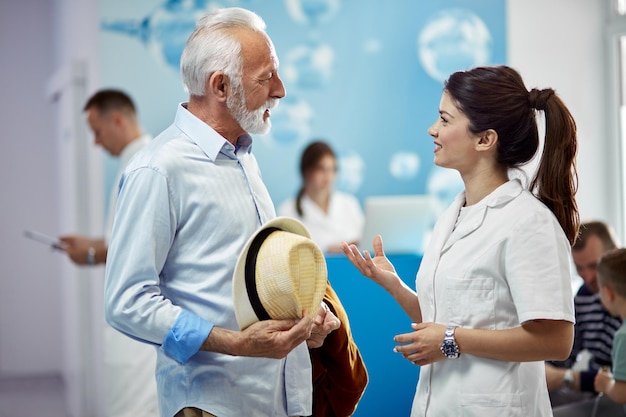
(188, 203)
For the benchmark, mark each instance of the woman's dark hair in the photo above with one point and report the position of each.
(496, 98)
(311, 156)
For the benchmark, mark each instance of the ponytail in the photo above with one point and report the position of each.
(556, 180)
(299, 202)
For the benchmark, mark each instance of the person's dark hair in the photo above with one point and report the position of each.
(611, 271)
(595, 228)
(311, 156)
(496, 98)
(108, 100)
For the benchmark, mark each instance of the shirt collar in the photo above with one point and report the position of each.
(211, 142)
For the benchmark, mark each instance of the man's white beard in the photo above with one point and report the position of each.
(250, 121)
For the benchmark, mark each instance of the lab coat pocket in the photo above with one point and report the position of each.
(491, 405)
(470, 302)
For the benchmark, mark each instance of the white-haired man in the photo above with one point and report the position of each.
(188, 203)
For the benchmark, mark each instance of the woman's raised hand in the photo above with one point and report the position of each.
(378, 268)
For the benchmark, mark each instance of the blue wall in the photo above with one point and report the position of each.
(375, 318)
(362, 74)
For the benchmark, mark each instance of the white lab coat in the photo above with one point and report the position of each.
(129, 366)
(343, 222)
(506, 262)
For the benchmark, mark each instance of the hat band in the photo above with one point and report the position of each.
(250, 273)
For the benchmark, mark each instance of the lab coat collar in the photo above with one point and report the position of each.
(498, 198)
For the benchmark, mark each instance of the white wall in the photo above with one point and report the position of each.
(30, 310)
(49, 308)
(81, 196)
(560, 44)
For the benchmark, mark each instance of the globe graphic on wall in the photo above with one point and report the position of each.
(165, 31)
(291, 122)
(404, 165)
(351, 170)
(453, 40)
(308, 66)
(312, 12)
(444, 184)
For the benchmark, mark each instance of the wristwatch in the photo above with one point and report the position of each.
(91, 256)
(449, 348)
(568, 379)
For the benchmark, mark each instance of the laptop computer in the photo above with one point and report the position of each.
(403, 221)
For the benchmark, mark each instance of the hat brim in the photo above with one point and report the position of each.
(243, 308)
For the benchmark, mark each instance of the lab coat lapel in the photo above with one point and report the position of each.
(445, 226)
(470, 223)
(501, 196)
(441, 233)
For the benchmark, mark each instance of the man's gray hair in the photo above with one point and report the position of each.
(213, 47)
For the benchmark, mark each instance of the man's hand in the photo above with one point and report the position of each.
(264, 339)
(554, 376)
(324, 323)
(77, 248)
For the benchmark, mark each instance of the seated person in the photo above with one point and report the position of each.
(595, 326)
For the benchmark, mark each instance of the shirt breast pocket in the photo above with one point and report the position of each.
(470, 302)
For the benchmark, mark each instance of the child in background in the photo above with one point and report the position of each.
(612, 280)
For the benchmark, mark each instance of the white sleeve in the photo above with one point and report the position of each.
(538, 266)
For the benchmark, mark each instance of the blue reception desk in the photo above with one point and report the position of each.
(375, 319)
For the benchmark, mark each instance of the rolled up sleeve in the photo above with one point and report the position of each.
(186, 337)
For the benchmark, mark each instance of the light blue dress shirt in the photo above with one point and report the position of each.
(188, 203)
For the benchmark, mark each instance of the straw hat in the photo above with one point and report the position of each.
(280, 273)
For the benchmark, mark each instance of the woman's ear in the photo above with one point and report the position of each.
(487, 140)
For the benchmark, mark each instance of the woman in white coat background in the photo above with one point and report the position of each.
(331, 216)
(494, 297)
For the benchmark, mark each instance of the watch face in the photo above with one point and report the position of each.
(450, 349)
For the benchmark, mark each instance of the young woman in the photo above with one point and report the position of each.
(494, 298)
(330, 216)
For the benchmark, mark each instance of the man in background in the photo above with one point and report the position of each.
(595, 326)
(112, 117)
(129, 366)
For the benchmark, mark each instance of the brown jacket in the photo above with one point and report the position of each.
(339, 373)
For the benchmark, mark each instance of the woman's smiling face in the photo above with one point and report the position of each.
(454, 142)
